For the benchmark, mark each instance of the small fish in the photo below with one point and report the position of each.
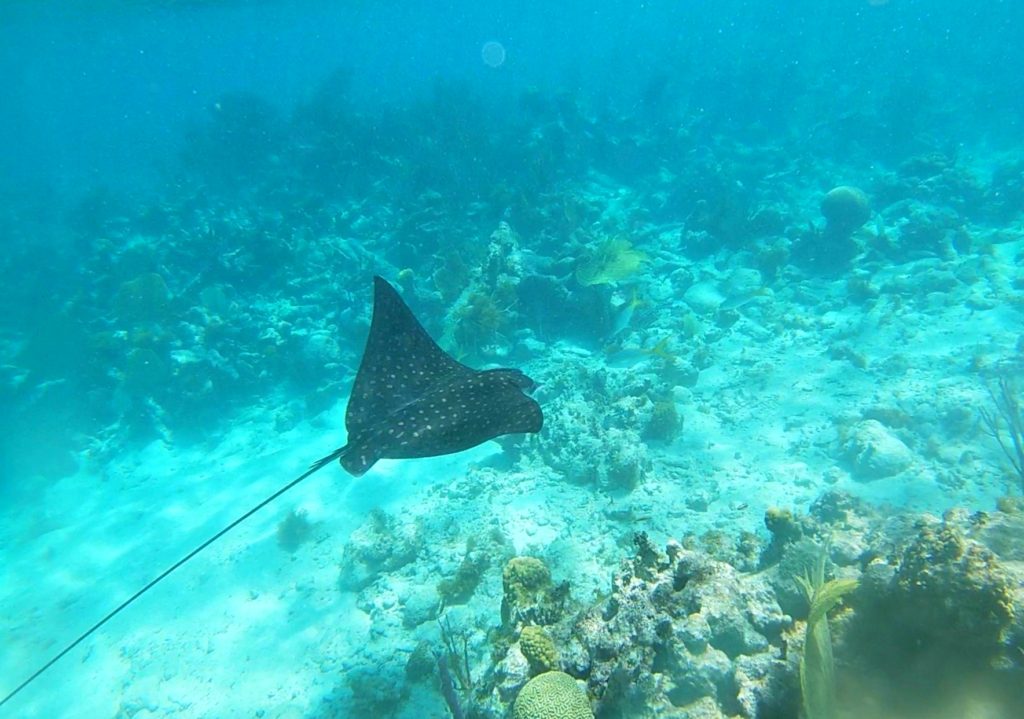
(626, 357)
(739, 300)
(624, 314)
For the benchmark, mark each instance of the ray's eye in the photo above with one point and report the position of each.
(523, 382)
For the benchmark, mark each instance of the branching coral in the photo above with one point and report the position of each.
(453, 667)
(481, 316)
(1006, 424)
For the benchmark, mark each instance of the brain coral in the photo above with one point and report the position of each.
(552, 695)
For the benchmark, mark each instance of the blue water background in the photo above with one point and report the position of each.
(98, 92)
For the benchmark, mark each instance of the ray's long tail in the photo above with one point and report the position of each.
(313, 468)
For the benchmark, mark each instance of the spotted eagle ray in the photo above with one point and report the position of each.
(410, 399)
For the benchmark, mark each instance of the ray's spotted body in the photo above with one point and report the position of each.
(412, 399)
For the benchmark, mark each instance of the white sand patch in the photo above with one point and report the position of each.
(244, 627)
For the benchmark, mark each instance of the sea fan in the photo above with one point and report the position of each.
(614, 260)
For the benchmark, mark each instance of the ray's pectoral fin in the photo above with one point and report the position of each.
(412, 399)
(358, 458)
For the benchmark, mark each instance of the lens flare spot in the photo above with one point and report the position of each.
(493, 53)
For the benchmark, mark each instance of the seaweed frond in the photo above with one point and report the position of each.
(294, 530)
(817, 666)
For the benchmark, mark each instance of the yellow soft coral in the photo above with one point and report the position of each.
(614, 260)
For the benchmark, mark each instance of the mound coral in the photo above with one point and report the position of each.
(935, 621)
(845, 209)
(934, 628)
(538, 648)
(144, 298)
(381, 545)
(551, 695)
(529, 597)
(523, 577)
(665, 422)
(952, 587)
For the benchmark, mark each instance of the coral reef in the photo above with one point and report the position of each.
(831, 249)
(874, 451)
(684, 634)
(593, 426)
(784, 528)
(665, 423)
(144, 298)
(680, 628)
(937, 622)
(374, 693)
(228, 303)
(919, 228)
(1005, 424)
(420, 665)
(485, 305)
(944, 581)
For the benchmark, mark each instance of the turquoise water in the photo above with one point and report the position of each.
(763, 263)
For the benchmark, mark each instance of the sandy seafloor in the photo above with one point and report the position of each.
(248, 629)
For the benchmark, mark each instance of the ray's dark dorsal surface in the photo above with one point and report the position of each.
(410, 399)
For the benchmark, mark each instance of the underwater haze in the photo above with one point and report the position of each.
(758, 265)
